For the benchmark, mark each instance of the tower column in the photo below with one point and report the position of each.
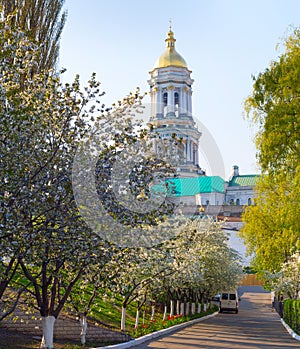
(159, 106)
(182, 102)
(189, 103)
(171, 83)
(183, 98)
(171, 105)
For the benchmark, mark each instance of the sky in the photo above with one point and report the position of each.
(224, 43)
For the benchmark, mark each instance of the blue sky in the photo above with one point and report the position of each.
(223, 43)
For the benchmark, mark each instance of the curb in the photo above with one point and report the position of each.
(147, 337)
(290, 331)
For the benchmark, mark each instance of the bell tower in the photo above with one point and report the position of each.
(171, 105)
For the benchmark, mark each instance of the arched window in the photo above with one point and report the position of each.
(238, 202)
(176, 102)
(249, 201)
(165, 99)
(176, 99)
(207, 202)
(165, 102)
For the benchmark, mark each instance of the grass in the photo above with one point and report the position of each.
(158, 324)
(13, 340)
(107, 310)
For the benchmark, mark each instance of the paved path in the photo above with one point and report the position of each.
(255, 326)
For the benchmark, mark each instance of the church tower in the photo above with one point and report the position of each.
(171, 106)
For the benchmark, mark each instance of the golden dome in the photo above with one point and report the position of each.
(170, 57)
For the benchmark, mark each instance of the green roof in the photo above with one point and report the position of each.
(195, 185)
(243, 181)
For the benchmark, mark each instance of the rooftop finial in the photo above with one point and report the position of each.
(170, 40)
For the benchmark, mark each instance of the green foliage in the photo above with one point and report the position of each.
(105, 308)
(42, 21)
(287, 280)
(274, 106)
(248, 270)
(272, 226)
(291, 314)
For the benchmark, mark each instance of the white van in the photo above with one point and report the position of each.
(229, 300)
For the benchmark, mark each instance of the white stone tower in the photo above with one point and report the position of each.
(171, 106)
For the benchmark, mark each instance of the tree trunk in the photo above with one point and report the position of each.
(182, 308)
(165, 312)
(137, 317)
(199, 308)
(178, 307)
(83, 324)
(187, 308)
(204, 307)
(48, 330)
(152, 312)
(193, 308)
(171, 308)
(123, 318)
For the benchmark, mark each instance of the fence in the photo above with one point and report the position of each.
(251, 280)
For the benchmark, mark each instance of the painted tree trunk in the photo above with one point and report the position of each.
(187, 308)
(182, 308)
(48, 331)
(84, 325)
(152, 312)
(137, 318)
(204, 307)
(193, 308)
(165, 312)
(123, 318)
(178, 307)
(199, 308)
(171, 308)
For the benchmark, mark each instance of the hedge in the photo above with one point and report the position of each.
(291, 314)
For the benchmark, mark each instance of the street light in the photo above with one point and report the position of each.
(201, 211)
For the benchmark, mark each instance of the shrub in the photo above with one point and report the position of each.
(291, 314)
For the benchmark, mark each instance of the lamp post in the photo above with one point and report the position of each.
(201, 211)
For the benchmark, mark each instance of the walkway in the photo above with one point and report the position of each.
(255, 326)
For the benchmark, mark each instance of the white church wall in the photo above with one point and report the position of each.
(212, 198)
(203, 199)
(239, 195)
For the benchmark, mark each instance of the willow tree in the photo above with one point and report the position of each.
(272, 230)
(43, 21)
